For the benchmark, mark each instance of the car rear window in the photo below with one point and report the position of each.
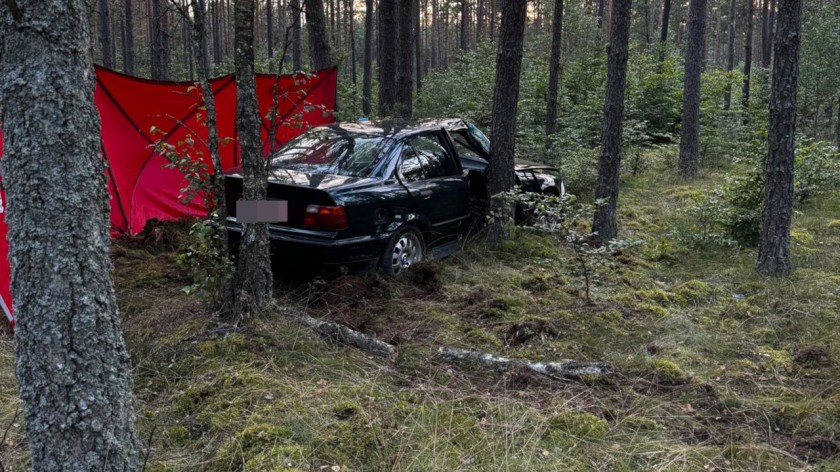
(331, 153)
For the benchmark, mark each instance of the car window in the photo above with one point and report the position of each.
(410, 168)
(463, 147)
(326, 152)
(435, 159)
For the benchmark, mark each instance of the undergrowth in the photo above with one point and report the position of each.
(716, 368)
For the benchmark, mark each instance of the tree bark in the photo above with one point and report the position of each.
(500, 172)
(748, 49)
(319, 45)
(253, 282)
(387, 57)
(465, 24)
(160, 47)
(269, 28)
(73, 370)
(690, 133)
(605, 222)
(663, 35)
(367, 80)
(351, 6)
(297, 52)
(405, 61)
(774, 242)
(417, 41)
(128, 43)
(730, 60)
(554, 74)
(765, 33)
(105, 35)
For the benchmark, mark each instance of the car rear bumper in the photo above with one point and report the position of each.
(318, 247)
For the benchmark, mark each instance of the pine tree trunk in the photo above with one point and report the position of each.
(605, 222)
(367, 84)
(690, 132)
(765, 33)
(663, 35)
(730, 60)
(128, 43)
(418, 45)
(105, 35)
(73, 370)
(253, 274)
(351, 6)
(159, 57)
(771, 31)
(774, 242)
(405, 61)
(435, 35)
(500, 176)
(297, 51)
(465, 24)
(748, 50)
(319, 46)
(554, 74)
(387, 57)
(269, 28)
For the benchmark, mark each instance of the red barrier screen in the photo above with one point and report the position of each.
(137, 113)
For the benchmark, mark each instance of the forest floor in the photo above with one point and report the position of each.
(714, 367)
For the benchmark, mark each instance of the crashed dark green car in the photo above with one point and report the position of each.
(379, 193)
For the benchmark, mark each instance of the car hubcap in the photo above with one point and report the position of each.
(407, 252)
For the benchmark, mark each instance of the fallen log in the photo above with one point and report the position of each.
(567, 370)
(344, 334)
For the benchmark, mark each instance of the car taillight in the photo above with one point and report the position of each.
(325, 217)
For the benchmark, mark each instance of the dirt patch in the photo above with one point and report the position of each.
(812, 357)
(525, 331)
(817, 448)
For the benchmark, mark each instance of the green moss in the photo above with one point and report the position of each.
(481, 336)
(667, 371)
(636, 423)
(281, 458)
(346, 409)
(254, 440)
(834, 224)
(774, 359)
(574, 426)
(178, 434)
(227, 346)
(692, 292)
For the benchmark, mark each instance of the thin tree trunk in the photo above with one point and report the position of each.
(319, 46)
(663, 35)
(352, 37)
(605, 222)
(160, 48)
(405, 61)
(269, 28)
(297, 51)
(105, 39)
(387, 57)
(493, 15)
(774, 242)
(730, 60)
(435, 36)
(600, 14)
(367, 84)
(554, 75)
(500, 172)
(418, 46)
(748, 49)
(465, 24)
(765, 33)
(253, 274)
(73, 370)
(690, 133)
(771, 31)
(128, 42)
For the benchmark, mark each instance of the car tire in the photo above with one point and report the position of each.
(404, 249)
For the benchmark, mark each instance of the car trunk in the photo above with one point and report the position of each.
(298, 197)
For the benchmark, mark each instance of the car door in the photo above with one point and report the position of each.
(431, 174)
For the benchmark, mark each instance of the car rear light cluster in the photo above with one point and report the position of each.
(325, 217)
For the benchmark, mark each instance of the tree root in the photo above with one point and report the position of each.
(567, 370)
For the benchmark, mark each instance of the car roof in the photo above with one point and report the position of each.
(394, 129)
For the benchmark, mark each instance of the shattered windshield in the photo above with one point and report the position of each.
(328, 152)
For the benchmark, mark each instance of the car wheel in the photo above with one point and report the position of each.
(405, 249)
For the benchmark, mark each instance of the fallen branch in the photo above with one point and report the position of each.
(568, 370)
(343, 334)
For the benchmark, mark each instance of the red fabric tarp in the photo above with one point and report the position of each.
(137, 113)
